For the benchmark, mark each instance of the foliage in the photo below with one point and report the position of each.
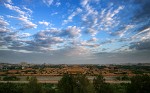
(27, 78)
(100, 86)
(11, 78)
(79, 84)
(136, 69)
(11, 88)
(21, 88)
(48, 88)
(119, 88)
(139, 84)
(83, 85)
(74, 84)
(33, 86)
(123, 78)
(138, 72)
(66, 84)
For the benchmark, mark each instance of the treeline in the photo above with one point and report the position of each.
(136, 69)
(79, 84)
(32, 87)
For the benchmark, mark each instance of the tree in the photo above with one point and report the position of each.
(48, 88)
(119, 87)
(123, 78)
(33, 86)
(11, 88)
(66, 84)
(82, 84)
(74, 84)
(11, 78)
(139, 84)
(27, 78)
(100, 86)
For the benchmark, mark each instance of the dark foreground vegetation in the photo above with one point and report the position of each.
(79, 84)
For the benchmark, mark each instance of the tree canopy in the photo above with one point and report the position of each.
(139, 84)
(33, 86)
(100, 86)
(74, 84)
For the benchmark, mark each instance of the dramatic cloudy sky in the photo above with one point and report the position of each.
(75, 31)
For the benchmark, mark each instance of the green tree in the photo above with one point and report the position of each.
(139, 84)
(100, 86)
(33, 86)
(82, 84)
(11, 88)
(66, 84)
(48, 88)
(74, 84)
(123, 78)
(11, 78)
(27, 78)
(119, 88)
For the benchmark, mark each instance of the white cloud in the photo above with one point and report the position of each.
(91, 45)
(15, 8)
(126, 29)
(26, 23)
(55, 13)
(108, 19)
(58, 4)
(95, 20)
(48, 2)
(142, 35)
(3, 22)
(29, 10)
(24, 17)
(48, 32)
(46, 39)
(84, 2)
(73, 31)
(57, 39)
(24, 35)
(93, 39)
(9, 1)
(4, 30)
(122, 33)
(74, 13)
(90, 18)
(3, 25)
(77, 51)
(44, 23)
(90, 11)
(92, 31)
(70, 17)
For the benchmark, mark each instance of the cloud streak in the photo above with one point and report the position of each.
(48, 2)
(44, 23)
(24, 17)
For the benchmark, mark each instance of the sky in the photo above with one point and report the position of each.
(75, 31)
